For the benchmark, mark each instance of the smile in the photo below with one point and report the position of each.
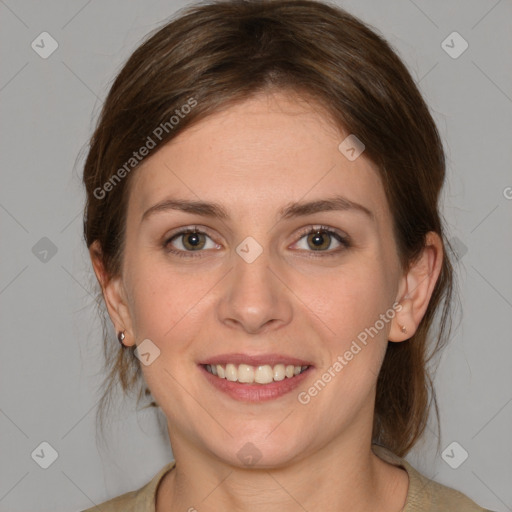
(248, 374)
(247, 383)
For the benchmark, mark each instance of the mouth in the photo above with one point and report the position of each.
(255, 378)
(248, 374)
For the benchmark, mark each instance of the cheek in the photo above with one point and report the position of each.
(156, 298)
(351, 299)
(356, 313)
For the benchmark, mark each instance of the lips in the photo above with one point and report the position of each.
(245, 392)
(264, 386)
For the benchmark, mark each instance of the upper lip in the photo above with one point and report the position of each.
(255, 360)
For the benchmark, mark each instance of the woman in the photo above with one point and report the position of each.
(262, 217)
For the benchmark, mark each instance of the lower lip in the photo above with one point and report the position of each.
(256, 392)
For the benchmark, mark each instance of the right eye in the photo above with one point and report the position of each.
(192, 240)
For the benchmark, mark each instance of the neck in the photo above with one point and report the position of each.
(347, 477)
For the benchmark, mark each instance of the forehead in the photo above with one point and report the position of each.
(263, 152)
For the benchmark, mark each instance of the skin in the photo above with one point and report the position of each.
(254, 158)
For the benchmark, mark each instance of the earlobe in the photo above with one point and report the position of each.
(401, 326)
(113, 294)
(417, 288)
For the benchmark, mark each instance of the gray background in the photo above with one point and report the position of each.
(51, 349)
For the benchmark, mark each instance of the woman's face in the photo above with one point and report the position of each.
(255, 284)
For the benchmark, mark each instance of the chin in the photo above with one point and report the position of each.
(260, 452)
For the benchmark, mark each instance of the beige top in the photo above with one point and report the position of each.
(423, 495)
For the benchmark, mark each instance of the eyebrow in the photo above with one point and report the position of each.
(291, 210)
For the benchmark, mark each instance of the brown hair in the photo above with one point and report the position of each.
(222, 52)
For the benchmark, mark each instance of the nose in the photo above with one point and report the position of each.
(255, 297)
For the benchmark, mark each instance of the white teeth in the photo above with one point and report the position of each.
(263, 374)
(231, 372)
(279, 372)
(245, 373)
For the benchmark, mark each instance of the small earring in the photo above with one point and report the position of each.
(120, 337)
(403, 329)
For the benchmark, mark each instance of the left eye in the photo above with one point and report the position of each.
(321, 238)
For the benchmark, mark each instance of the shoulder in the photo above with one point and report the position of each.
(140, 500)
(124, 502)
(428, 495)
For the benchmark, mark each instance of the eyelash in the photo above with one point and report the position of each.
(344, 241)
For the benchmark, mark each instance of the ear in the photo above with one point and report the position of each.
(416, 288)
(113, 294)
